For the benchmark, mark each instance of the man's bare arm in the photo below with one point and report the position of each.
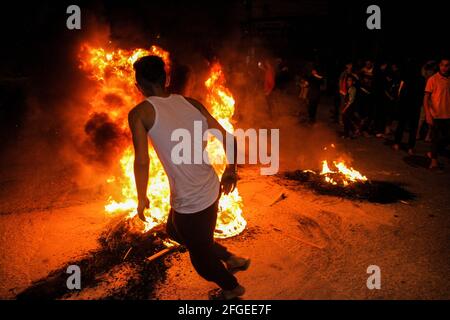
(141, 158)
(427, 107)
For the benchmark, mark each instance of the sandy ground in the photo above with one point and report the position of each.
(307, 246)
(34, 244)
(318, 247)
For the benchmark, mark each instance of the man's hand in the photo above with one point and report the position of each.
(142, 205)
(229, 180)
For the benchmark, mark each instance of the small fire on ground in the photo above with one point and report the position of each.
(337, 173)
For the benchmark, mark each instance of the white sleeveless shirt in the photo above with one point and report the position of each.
(193, 187)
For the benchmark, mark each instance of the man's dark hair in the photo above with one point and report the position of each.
(150, 70)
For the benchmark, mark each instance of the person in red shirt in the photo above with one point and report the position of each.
(269, 83)
(437, 109)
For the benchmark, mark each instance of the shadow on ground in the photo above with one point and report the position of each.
(417, 161)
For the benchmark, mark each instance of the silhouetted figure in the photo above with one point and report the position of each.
(314, 81)
(349, 108)
(343, 88)
(410, 104)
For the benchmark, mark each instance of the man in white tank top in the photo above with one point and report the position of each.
(195, 188)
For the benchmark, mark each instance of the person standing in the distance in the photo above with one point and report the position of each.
(367, 98)
(269, 84)
(410, 104)
(194, 188)
(393, 92)
(343, 89)
(314, 82)
(381, 99)
(437, 109)
(424, 130)
(349, 109)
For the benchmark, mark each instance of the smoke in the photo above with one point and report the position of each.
(60, 132)
(104, 138)
(62, 129)
(301, 146)
(63, 145)
(94, 141)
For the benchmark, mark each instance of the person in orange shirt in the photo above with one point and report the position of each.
(437, 109)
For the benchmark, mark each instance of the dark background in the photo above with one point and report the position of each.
(38, 50)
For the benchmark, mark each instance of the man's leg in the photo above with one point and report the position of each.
(445, 134)
(436, 138)
(197, 231)
(170, 228)
(220, 251)
(312, 110)
(413, 126)
(403, 117)
(380, 117)
(347, 122)
(372, 115)
(390, 106)
(341, 107)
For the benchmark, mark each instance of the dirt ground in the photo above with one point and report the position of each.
(306, 246)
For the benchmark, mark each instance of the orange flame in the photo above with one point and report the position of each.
(113, 72)
(220, 101)
(349, 175)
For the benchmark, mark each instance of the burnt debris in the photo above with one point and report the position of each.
(383, 192)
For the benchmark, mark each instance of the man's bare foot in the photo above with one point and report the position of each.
(396, 147)
(411, 151)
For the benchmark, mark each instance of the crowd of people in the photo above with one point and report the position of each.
(373, 98)
(381, 99)
(384, 100)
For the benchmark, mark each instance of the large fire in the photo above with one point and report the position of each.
(113, 72)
